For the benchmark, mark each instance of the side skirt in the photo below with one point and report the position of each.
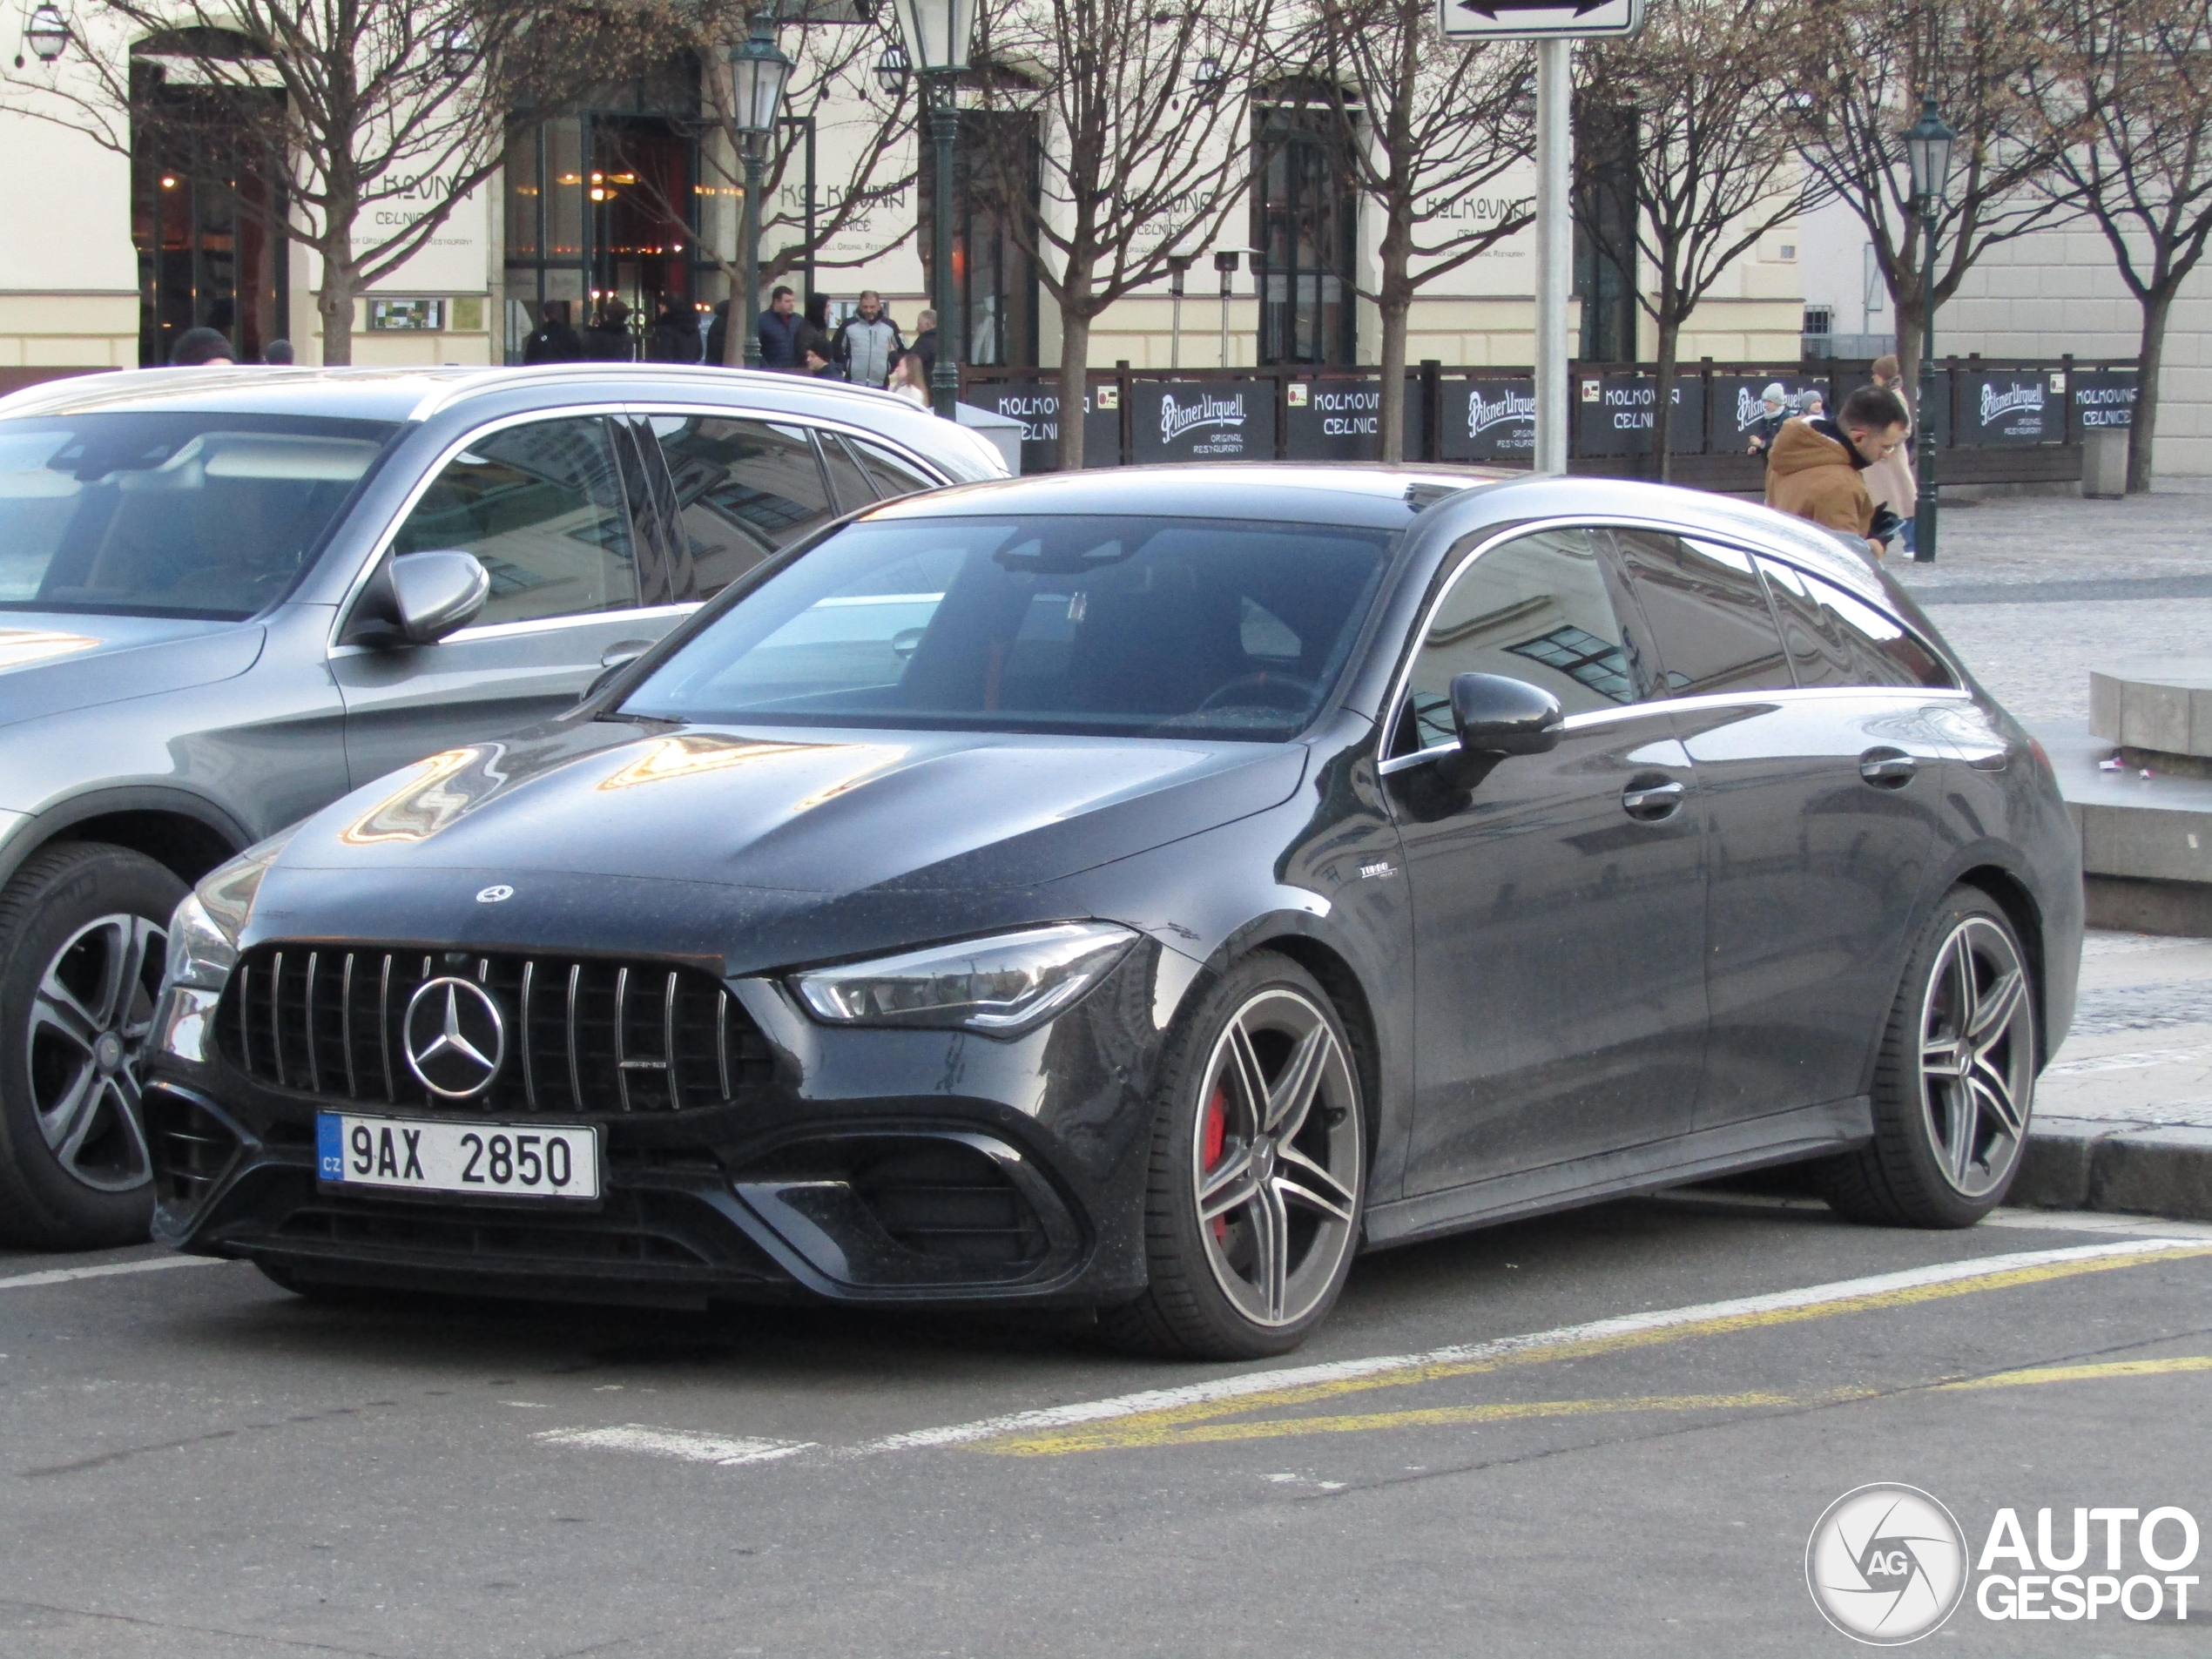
(1783, 1137)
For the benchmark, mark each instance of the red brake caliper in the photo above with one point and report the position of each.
(1212, 1134)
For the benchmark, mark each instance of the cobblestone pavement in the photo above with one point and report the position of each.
(2141, 1049)
(2034, 592)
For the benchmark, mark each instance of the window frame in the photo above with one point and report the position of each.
(1455, 566)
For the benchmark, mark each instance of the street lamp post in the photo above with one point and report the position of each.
(758, 71)
(936, 33)
(1927, 153)
(1225, 262)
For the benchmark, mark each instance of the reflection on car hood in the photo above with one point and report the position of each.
(51, 662)
(669, 839)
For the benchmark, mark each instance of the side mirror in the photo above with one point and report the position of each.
(616, 659)
(1496, 717)
(433, 594)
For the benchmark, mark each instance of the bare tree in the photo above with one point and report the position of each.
(378, 113)
(2128, 94)
(1131, 158)
(1704, 95)
(1868, 66)
(1429, 127)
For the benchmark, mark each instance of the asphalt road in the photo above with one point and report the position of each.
(197, 1464)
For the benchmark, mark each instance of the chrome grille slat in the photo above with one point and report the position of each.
(623, 1054)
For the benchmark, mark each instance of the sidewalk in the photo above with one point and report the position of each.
(2034, 592)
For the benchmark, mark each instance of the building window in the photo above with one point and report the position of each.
(996, 283)
(1605, 227)
(1305, 230)
(207, 201)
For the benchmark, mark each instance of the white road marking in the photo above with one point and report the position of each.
(63, 1274)
(688, 1444)
(1230, 1388)
(2083, 1221)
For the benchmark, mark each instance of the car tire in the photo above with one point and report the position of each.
(1257, 1175)
(82, 937)
(1954, 1085)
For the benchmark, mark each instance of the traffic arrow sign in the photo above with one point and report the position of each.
(1528, 19)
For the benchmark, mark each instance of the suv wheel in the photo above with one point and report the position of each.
(83, 936)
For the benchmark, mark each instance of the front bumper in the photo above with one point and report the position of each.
(883, 1167)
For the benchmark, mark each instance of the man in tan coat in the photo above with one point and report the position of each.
(1815, 470)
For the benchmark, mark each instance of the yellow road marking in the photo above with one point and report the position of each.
(1168, 1425)
(2034, 1374)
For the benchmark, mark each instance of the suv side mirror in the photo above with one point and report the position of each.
(419, 598)
(1493, 715)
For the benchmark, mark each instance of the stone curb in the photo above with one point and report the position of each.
(2134, 1168)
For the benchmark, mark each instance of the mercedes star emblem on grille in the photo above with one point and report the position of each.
(454, 1037)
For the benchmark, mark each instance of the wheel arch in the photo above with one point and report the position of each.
(1348, 995)
(183, 833)
(2010, 894)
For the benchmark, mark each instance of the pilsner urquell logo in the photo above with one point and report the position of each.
(1995, 405)
(1482, 413)
(1175, 419)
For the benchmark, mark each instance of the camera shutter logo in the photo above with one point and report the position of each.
(454, 1037)
(1886, 1565)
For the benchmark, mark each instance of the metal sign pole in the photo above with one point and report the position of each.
(1554, 248)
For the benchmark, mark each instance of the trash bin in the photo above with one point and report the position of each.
(2104, 462)
(1003, 432)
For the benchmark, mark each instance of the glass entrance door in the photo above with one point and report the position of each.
(1305, 230)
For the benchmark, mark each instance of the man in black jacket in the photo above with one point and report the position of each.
(553, 340)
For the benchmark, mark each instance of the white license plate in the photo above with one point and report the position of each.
(478, 1159)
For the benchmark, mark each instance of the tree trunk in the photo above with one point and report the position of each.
(733, 331)
(1393, 425)
(335, 300)
(1075, 364)
(1910, 325)
(1662, 395)
(2142, 422)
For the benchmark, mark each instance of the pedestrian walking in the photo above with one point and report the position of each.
(1774, 409)
(1817, 469)
(869, 343)
(674, 335)
(201, 348)
(926, 343)
(909, 379)
(277, 353)
(608, 337)
(779, 327)
(553, 340)
(1891, 482)
(816, 366)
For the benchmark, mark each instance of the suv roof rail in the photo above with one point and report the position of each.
(478, 382)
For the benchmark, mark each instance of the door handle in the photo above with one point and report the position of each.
(1648, 803)
(1888, 768)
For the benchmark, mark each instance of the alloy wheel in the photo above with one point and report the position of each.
(1276, 1163)
(89, 1019)
(1976, 1057)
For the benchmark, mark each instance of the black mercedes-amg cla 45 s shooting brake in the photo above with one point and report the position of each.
(1141, 892)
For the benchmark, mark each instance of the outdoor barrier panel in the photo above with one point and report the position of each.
(1487, 416)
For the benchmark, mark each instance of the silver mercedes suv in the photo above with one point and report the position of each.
(229, 596)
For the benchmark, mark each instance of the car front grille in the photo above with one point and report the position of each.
(583, 1034)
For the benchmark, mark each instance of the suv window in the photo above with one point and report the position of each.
(1709, 618)
(848, 480)
(1537, 608)
(892, 476)
(1834, 639)
(542, 507)
(743, 490)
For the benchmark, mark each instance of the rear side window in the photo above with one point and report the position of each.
(1708, 615)
(1536, 609)
(892, 475)
(1834, 639)
(848, 481)
(541, 506)
(743, 488)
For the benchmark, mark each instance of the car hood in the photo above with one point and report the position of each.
(757, 846)
(51, 662)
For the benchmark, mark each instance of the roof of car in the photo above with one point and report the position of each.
(1374, 496)
(403, 393)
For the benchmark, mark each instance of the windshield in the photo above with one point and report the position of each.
(170, 515)
(1118, 626)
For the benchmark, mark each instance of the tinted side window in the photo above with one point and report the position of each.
(1536, 609)
(542, 505)
(1834, 639)
(743, 490)
(892, 476)
(1708, 613)
(849, 481)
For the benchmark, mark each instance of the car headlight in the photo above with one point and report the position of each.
(1000, 987)
(204, 932)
